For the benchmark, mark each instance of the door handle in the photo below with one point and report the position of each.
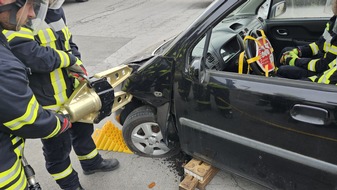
(310, 114)
(282, 32)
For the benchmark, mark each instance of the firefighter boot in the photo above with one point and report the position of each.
(105, 166)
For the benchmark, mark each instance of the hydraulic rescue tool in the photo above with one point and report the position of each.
(96, 97)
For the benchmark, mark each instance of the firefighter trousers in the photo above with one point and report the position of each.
(56, 152)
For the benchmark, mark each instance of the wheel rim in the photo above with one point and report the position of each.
(148, 138)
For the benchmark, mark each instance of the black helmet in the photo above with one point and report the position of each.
(20, 3)
(17, 5)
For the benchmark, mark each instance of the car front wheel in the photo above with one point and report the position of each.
(143, 136)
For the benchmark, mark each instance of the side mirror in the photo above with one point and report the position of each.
(197, 70)
(194, 70)
(278, 9)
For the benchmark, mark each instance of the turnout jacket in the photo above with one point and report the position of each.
(47, 54)
(327, 77)
(325, 48)
(21, 117)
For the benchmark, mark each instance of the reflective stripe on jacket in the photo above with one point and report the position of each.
(11, 174)
(327, 77)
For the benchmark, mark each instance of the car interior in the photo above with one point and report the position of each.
(239, 33)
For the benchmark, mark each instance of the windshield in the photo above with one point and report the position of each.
(237, 10)
(252, 7)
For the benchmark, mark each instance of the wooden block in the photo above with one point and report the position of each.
(201, 171)
(209, 176)
(197, 168)
(189, 183)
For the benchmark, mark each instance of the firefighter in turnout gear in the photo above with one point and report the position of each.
(21, 115)
(313, 59)
(55, 64)
(330, 75)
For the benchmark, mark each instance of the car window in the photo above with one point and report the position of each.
(212, 60)
(222, 52)
(223, 48)
(198, 49)
(197, 55)
(306, 9)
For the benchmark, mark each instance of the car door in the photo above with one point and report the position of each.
(275, 131)
(278, 131)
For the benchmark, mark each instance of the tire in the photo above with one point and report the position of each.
(142, 134)
(128, 109)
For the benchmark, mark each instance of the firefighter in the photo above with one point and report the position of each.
(308, 60)
(20, 113)
(55, 59)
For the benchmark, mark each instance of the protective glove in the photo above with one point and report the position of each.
(291, 58)
(65, 122)
(77, 70)
(293, 52)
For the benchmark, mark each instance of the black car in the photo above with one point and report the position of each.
(196, 93)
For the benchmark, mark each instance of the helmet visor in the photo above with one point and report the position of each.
(40, 8)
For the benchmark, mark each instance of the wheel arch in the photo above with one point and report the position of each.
(164, 116)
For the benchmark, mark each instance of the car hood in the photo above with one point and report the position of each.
(155, 49)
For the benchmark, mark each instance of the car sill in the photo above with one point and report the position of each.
(293, 156)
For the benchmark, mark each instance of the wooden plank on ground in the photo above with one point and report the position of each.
(189, 183)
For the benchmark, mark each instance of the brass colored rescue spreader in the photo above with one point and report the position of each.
(95, 98)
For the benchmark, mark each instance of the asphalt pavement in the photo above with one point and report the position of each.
(107, 33)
